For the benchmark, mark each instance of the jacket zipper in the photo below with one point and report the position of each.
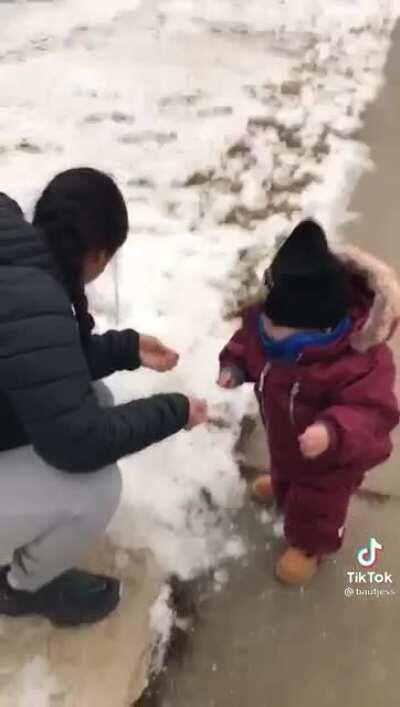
(261, 384)
(292, 401)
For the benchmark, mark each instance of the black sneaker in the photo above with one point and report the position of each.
(74, 598)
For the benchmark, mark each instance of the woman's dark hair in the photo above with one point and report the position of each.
(81, 211)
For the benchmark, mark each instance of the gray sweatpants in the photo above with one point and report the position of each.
(50, 519)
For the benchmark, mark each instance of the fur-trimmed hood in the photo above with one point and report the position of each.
(383, 283)
(382, 296)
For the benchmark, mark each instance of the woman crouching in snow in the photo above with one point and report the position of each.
(48, 360)
(316, 349)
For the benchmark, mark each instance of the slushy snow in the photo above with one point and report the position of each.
(162, 620)
(223, 122)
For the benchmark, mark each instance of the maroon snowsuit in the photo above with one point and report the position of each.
(350, 391)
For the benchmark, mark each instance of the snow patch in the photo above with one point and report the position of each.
(266, 517)
(162, 621)
(221, 578)
(278, 528)
(33, 686)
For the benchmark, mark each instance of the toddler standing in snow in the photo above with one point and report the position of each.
(316, 349)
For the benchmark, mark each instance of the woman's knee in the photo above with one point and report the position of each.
(104, 494)
(111, 493)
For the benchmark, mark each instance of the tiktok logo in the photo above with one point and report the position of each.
(368, 556)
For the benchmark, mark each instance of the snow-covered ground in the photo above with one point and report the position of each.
(223, 121)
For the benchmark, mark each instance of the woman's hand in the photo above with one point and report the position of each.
(315, 441)
(229, 378)
(198, 413)
(153, 354)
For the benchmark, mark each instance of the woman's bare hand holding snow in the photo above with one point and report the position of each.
(155, 355)
(198, 413)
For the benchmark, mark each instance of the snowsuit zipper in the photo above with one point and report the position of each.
(261, 384)
(292, 401)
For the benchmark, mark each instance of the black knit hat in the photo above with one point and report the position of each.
(309, 287)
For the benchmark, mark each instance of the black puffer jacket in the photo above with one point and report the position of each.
(46, 373)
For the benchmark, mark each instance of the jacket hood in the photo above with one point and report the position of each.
(21, 244)
(376, 309)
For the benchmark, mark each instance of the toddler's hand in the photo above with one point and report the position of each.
(228, 378)
(198, 413)
(315, 441)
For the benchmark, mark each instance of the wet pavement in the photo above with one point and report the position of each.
(45, 667)
(258, 643)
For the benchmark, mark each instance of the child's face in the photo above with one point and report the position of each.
(279, 333)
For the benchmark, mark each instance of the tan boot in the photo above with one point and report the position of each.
(296, 568)
(261, 489)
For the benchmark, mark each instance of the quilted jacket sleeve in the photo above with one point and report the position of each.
(110, 352)
(45, 375)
